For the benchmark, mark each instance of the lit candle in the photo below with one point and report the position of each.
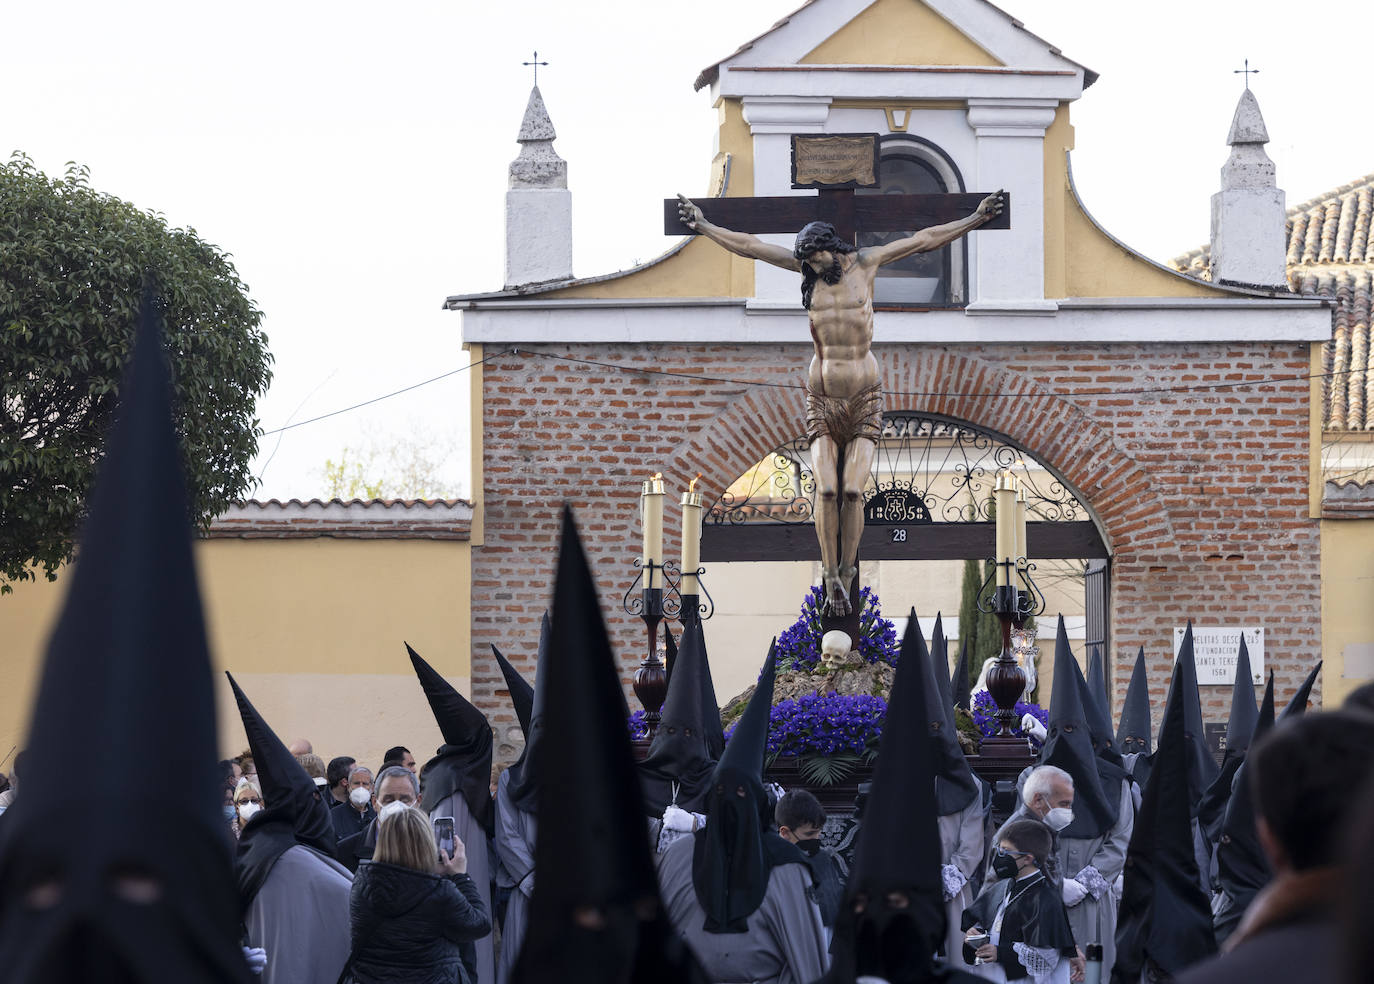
(1021, 521)
(1004, 495)
(691, 538)
(651, 519)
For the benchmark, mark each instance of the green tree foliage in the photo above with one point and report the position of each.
(414, 467)
(72, 264)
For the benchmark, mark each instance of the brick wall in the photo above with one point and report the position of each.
(1203, 496)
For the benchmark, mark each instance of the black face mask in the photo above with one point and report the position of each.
(1004, 865)
(810, 847)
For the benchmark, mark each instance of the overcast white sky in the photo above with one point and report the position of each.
(352, 157)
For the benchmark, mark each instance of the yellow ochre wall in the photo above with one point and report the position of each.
(1347, 616)
(312, 629)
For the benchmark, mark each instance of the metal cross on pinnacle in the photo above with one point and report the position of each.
(1247, 71)
(536, 63)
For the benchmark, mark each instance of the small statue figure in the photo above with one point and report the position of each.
(844, 400)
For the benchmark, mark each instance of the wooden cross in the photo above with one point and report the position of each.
(536, 63)
(1247, 71)
(848, 212)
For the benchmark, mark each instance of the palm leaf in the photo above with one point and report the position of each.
(826, 770)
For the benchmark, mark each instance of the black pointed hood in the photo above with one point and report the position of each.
(520, 690)
(1135, 733)
(463, 762)
(959, 681)
(1298, 703)
(1099, 716)
(1202, 767)
(1097, 680)
(939, 655)
(521, 785)
(1240, 728)
(294, 811)
(898, 845)
(1242, 868)
(1165, 920)
(591, 851)
(1069, 745)
(680, 755)
(955, 785)
(130, 634)
(733, 857)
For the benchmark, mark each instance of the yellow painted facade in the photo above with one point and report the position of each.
(1347, 618)
(899, 32)
(313, 630)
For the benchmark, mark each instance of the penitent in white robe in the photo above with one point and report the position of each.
(785, 942)
(515, 845)
(961, 845)
(474, 839)
(300, 917)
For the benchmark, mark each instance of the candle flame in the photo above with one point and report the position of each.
(692, 485)
(657, 476)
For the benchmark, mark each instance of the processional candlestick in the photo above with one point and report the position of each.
(668, 591)
(1015, 599)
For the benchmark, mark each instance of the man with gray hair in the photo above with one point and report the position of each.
(357, 811)
(395, 784)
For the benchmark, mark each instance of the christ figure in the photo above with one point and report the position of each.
(844, 398)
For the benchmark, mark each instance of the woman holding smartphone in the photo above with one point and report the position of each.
(414, 909)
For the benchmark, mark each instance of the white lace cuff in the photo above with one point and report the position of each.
(1091, 879)
(954, 880)
(1039, 961)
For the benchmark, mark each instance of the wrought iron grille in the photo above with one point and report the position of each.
(948, 465)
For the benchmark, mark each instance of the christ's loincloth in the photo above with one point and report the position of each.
(845, 418)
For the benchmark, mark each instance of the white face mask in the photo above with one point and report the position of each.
(1059, 818)
(359, 796)
(246, 811)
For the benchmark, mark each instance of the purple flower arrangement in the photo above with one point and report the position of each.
(638, 729)
(824, 725)
(799, 648)
(984, 712)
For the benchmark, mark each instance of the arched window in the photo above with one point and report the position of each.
(913, 166)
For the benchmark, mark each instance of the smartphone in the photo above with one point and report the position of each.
(443, 834)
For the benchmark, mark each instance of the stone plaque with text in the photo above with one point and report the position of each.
(1215, 649)
(835, 160)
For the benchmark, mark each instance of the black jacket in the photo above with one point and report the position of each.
(348, 821)
(357, 848)
(409, 927)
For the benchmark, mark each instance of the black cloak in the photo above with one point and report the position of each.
(294, 811)
(734, 856)
(595, 915)
(525, 699)
(1202, 767)
(1035, 916)
(680, 754)
(955, 785)
(126, 683)
(1165, 920)
(1134, 733)
(1069, 745)
(1239, 730)
(669, 653)
(959, 681)
(898, 844)
(463, 762)
(1242, 868)
(1097, 680)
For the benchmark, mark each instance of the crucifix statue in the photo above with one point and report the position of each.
(844, 400)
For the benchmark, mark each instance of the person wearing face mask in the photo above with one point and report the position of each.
(800, 817)
(1018, 929)
(358, 813)
(247, 801)
(1087, 797)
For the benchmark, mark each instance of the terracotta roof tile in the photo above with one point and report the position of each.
(1331, 252)
(354, 519)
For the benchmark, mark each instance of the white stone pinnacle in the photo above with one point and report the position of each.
(1248, 213)
(538, 165)
(538, 204)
